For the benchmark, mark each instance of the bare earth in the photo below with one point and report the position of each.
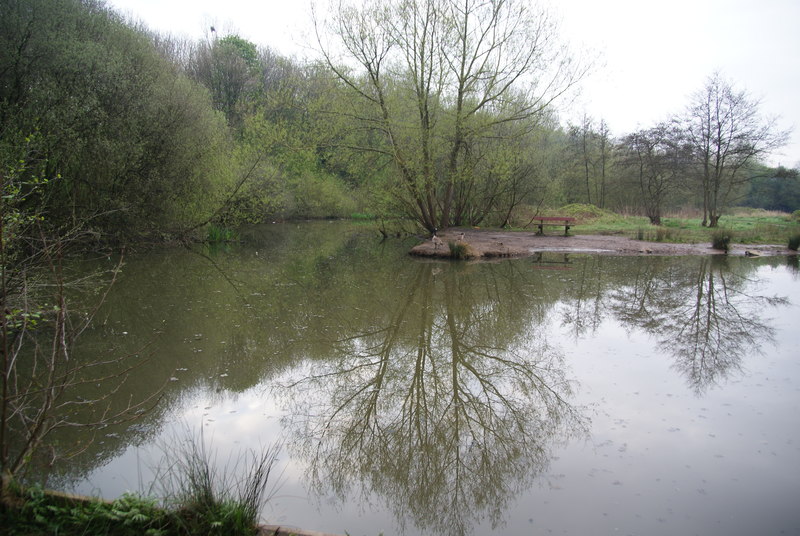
(492, 243)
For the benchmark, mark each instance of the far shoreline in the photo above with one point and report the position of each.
(492, 244)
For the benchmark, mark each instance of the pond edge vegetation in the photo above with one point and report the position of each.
(197, 497)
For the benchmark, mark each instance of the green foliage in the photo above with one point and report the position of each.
(218, 234)
(316, 196)
(794, 242)
(229, 69)
(119, 137)
(796, 215)
(40, 512)
(242, 48)
(721, 239)
(775, 189)
(43, 513)
(361, 216)
(443, 134)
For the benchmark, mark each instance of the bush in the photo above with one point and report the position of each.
(794, 242)
(796, 215)
(721, 239)
(460, 250)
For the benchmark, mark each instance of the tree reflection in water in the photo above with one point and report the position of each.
(704, 311)
(446, 411)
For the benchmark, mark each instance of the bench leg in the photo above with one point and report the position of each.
(541, 229)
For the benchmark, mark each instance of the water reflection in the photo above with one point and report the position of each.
(440, 391)
(446, 409)
(704, 311)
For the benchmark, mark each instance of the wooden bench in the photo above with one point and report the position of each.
(557, 221)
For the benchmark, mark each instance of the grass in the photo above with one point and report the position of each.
(745, 226)
(460, 250)
(362, 216)
(208, 500)
(216, 234)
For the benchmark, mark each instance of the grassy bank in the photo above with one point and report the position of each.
(745, 226)
(34, 511)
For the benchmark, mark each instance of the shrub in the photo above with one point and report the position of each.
(721, 239)
(794, 242)
(796, 215)
(460, 250)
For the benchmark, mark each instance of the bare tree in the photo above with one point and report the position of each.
(656, 160)
(438, 75)
(727, 134)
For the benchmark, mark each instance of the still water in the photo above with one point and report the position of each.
(561, 394)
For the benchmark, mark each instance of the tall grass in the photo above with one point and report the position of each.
(218, 233)
(214, 499)
(460, 250)
(721, 239)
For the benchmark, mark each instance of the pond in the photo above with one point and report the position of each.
(567, 394)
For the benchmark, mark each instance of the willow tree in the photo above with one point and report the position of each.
(436, 78)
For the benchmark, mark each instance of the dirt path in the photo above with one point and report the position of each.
(491, 243)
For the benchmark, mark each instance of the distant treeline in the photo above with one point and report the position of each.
(136, 135)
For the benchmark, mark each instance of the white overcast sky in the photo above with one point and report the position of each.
(652, 54)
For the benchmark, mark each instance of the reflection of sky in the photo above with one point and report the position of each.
(664, 461)
(660, 459)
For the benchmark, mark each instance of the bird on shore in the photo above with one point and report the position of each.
(460, 238)
(436, 240)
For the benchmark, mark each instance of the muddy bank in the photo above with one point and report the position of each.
(494, 243)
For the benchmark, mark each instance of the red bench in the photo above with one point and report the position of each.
(557, 221)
